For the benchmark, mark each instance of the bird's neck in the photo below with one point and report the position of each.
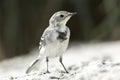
(57, 24)
(59, 27)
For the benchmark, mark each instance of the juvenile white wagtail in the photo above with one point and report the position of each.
(54, 40)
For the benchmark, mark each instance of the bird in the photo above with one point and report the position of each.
(54, 40)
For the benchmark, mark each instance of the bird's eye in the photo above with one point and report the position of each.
(61, 16)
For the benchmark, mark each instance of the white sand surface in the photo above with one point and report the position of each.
(93, 61)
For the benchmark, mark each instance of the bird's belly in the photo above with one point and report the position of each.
(56, 49)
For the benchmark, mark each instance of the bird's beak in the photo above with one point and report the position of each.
(73, 13)
(70, 14)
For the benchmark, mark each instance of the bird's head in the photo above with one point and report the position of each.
(60, 17)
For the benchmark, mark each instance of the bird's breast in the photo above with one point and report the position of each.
(62, 36)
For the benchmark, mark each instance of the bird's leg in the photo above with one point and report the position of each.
(60, 59)
(47, 60)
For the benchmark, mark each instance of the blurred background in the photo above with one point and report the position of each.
(22, 22)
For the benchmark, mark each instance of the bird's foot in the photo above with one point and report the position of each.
(64, 72)
(47, 72)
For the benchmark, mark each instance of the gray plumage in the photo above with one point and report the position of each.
(54, 40)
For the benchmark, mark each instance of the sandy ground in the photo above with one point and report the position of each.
(98, 61)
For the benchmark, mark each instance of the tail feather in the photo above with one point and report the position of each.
(30, 68)
(37, 61)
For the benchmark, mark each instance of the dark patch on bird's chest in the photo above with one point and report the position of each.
(62, 36)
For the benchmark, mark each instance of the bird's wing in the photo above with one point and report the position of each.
(39, 58)
(43, 38)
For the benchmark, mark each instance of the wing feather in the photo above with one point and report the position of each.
(43, 38)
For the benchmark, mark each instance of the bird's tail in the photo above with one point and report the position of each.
(33, 65)
(37, 61)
